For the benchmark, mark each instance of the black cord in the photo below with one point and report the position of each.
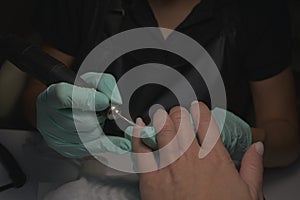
(12, 167)
(6, 187)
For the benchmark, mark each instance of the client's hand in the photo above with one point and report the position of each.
(236, 133)
(76, 134)
(204, 171)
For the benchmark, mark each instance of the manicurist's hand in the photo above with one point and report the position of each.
(66, 117)
(204, 171)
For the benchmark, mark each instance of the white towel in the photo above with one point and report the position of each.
(106, 188)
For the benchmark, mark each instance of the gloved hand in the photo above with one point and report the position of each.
(56, 121)
(236, 134)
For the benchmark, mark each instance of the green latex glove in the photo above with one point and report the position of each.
(236, 134)
(148, 135)
(56, 122)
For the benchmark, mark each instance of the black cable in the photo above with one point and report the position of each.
(2, 54)
(6, 187)
(12, 167)
(32, 60)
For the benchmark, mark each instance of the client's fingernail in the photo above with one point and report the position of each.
(139, 124)
(194, 102)
(259, 147)
(159, 119)
(139, 121)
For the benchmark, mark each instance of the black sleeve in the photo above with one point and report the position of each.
(65, 24)
(269, 39)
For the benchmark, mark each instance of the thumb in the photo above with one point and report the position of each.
(252, 167)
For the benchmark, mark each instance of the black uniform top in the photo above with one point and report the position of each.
(257, 44)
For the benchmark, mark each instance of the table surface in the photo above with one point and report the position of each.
(47, 172)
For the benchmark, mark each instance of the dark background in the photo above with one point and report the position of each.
(16, 15)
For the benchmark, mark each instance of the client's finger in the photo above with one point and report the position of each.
(144, 160)
(186, 138)
(252, 167)
(208, 131)
(168, 146)
(137, 143)
(164, 127)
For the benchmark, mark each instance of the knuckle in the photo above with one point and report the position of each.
(175, 109)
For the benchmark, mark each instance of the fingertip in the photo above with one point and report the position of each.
(108, 85)
(203, 107)
(101, 101)
(193, 105)
(116, 96)
(159, 119)
(140, 122)
(160, 112)
(198, 108)
(139, 125)
(259, 147)
(252, 166)
(255, 151)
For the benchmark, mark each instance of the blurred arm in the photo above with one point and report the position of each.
(34, 87)
(276, 118)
